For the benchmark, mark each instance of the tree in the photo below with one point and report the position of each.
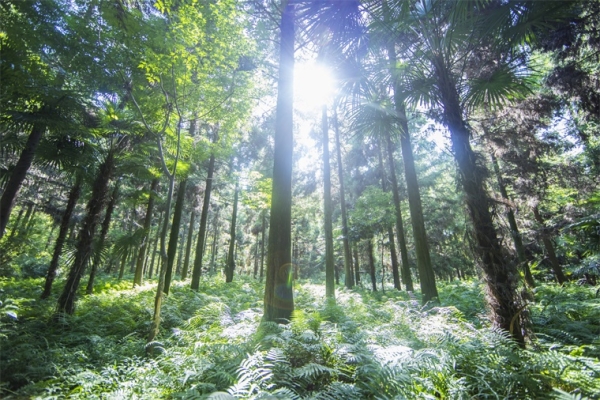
(139, 267)
(66, 301)
(327, 208)
(279, 300)
(230, 268)
(174, 235)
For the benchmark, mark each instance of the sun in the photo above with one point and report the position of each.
(313, 86)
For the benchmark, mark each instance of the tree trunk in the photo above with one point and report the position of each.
(279, 296)
(197, 271)
(17, 177)
(256, 244)
(371, 256)
(500, 275)
(262, 247)
(98, 251)
(188, 247)
(62, 235)
(213, 252)
(139, 267)
(394, 256)
(174, 236)
(426, 274)
(155, 247)
(406, 276)
(66, 301)
(357, 264)
(230, 268)
(327, 209)
(349, 277)
(556, 268)
(514, 229)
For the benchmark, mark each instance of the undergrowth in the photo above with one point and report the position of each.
(364, 346)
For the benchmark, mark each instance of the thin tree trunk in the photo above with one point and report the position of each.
(279, 296)
(174, 236)
(213, 253)
(349, 277)
(180, 254)
(500, 275)
(371, 256)
(514, 229)
(139, 268)
(357, 265)
(66, 301)
(229, 269)
(19, 172)
(327, 209)
(262, 247)
(98, 251)
(188, 247)
(256, 243)
(155, 247)
(556, 268)
(406, 276)
(394, 256)
(62, 235)
(197, 270)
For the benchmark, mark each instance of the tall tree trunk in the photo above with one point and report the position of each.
(213, 251)
(514, 228)
(174, 236)
(17, 177)
(100, 246)
(262, 246)
(188, 247)
(256, 244)
(371, 255)
(394, 256)
(66, 301)
(500, 275)
(357, 264)
(229, 269)
(62, 235)
(197, 271)
(327, 209)
(406, 276)
(349, 277)
(426, 274)
(155, 247)
(139, 268)
(556, 268)
(279, 296)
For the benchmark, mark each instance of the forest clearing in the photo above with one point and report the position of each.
(298, 199)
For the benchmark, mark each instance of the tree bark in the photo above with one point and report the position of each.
(357, 264)
(98, 251)
(349, 276)
(262, 247)
(279, 296)
(499, 274)
(188, 247)
(197, 271)
(371, 255)
(231, 256)
(213, 251)
(556, 268)
(406, 276)
(66, 301)
(139, 267)
(17, 177)
(514, 228)
(62, 235)
(327, 209)
(174, 236)
(394, 256)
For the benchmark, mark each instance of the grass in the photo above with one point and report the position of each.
(365, 346)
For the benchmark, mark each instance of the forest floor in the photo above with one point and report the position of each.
(366, 346)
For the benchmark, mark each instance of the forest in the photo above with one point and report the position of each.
(299, 199)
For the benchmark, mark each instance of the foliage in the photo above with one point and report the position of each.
(365, 346)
